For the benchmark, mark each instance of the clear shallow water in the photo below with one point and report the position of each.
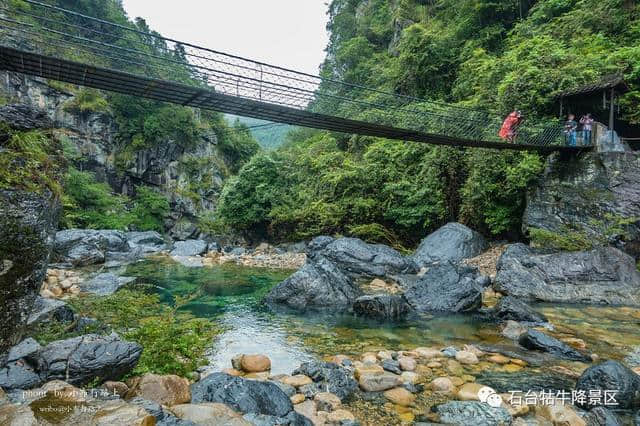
(230, 295)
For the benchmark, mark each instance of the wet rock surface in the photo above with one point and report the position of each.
(329, 377)
(452, 242)
(245, 396)
(539, 341)
(472, 412)
(602, 276)
(189, 248)
(511, 308)
(382, 307)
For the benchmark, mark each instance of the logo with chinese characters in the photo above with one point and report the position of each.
(489, 396)
(593, 397)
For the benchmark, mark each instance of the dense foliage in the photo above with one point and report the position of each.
(493, 56)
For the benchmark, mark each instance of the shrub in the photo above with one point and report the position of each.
(149, 210)
(87, 100)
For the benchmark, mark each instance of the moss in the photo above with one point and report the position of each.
(87, 100)
(31, 161)
(569, 240)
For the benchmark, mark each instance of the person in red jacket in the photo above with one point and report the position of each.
(509, 126)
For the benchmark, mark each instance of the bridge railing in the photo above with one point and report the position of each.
(131, 47)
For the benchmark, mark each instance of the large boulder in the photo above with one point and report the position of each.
(319, 284)
(81, 247)
(27, 225)
(591, 193)
(189, 248)
(358, 259)
(329, 377)
(381, 307)
(604, 275)
(611, 376)
(511, 308)
(539, 341)
(243, 395)
(452, 242)
(444, 287)
(463, 413)
(146, 242)
(105, 283)
(19, 375)
(48, 309)
(81, 359)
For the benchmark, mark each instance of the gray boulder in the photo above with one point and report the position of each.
(146, 242)
(81, 247)
(465, 413)
(381, 307)
(105, 283)
(601, 416)
(510, 308)
(27, 226)
(81, 359)
(611, 376)
(291, 419)
(245, 396)
(444, 287)
(539, 341)
(19, 375)
(601, 276)
(26, 349)
(319, 284)
(452, 242)
(358, 259)
(329, 377)
(589, 193)
(189, 248)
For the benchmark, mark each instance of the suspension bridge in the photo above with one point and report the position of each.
(46, 41)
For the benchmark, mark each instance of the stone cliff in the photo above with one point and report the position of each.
(191, 177)
(594, 197)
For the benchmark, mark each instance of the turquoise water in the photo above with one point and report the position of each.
(230, 295)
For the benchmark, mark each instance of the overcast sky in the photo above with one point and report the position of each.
(288, 33)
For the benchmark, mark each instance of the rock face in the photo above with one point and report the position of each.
(452, 242)
(510, 308)
(381, 307)
(612, 376)
(445, 287)
(537, 340)
(245, 396)
(604, 276)
(25, 117)
(319, 284)
(27, 224)
(169, 165)
(589, 193)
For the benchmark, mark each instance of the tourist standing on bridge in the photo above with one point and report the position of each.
(509, 126)
(587, 127)
(570, 127)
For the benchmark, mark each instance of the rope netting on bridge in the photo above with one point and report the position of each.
(35, 27)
